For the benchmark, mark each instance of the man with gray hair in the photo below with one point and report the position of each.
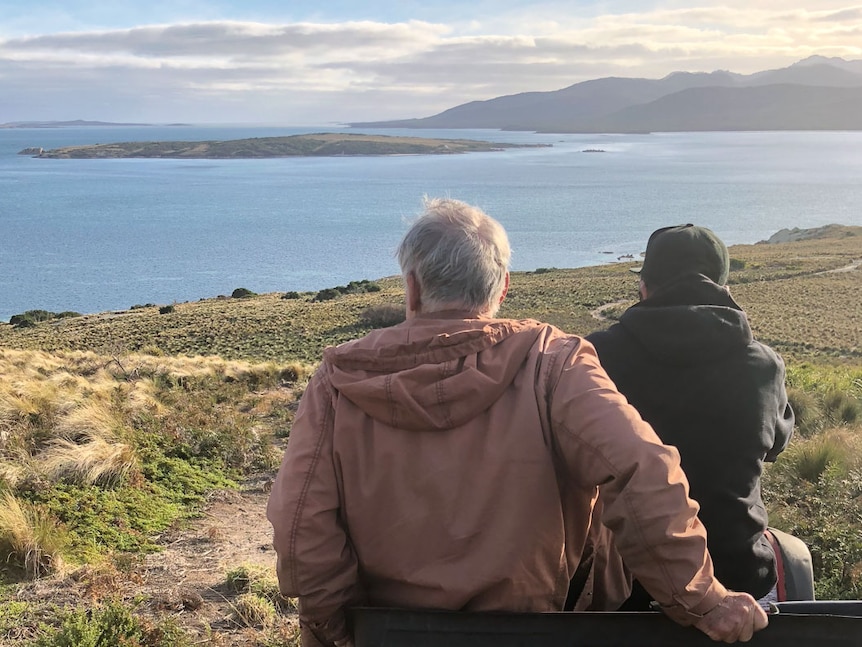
(452, 461)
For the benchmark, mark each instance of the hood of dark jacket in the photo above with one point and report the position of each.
(687, 322)
(415, 377)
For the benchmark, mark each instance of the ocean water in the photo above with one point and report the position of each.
(98, 235)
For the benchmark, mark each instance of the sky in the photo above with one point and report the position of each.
(298, 62)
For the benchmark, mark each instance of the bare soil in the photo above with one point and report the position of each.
(187, 580)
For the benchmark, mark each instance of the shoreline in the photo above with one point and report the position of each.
(782, 236)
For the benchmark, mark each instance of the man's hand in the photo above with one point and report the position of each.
(736, 618)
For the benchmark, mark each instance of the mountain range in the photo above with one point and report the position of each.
(817, 93)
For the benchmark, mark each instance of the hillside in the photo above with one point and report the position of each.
(316, 145)
(137, 447)
(815, 94)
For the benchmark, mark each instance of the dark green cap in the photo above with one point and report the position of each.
(684, 249)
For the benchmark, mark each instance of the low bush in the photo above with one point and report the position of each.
(383, 316)
(166, 309)
(112, 625)
(242, 293)
(327, 294)
(32, 317)
(293, 294)
(736, 264)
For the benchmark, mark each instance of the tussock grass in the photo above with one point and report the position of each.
(261, 582)
(836, 450)
(12, 472)
(119, 447)
(29, 539)
(90, 418)
(254, 611)
(808, 410)
(90, 461)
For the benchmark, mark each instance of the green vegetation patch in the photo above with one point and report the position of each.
(111, 625)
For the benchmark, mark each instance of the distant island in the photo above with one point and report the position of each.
(314, 145)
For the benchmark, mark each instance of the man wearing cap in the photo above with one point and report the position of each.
(685, 358)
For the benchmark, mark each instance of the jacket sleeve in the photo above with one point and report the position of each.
(604, 442)
(783, 417)
(316, 561)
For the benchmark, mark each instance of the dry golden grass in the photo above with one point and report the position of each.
(60, 414)
(810, 315)
(91, 460)
(28, 539)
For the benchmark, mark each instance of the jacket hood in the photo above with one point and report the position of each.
(689, 322)
(413, 376)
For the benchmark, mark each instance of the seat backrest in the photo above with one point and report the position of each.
(798, 570)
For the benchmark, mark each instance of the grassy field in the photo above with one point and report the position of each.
(117, 430)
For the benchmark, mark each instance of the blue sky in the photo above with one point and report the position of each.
(311, 63)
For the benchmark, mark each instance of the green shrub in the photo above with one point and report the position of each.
(736, 264)
(32, 316)
(383, 316)
(13, 614)
(112, 625)
(24, 323)
(327, 294)
(242, 293)
(166, 309)
(293, 294)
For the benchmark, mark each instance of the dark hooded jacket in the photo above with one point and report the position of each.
(686, 360)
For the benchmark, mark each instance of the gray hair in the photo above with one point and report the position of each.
(459, 255)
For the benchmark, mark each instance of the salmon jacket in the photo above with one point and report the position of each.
(452, 462)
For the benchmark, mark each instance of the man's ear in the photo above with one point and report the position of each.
(414, 294)
(505, 288)
(642, 289)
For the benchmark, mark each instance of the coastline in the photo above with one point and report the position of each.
(785, 235)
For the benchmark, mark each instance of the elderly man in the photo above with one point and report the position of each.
(685, 358)
(451, 461)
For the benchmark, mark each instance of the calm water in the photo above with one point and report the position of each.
(96, 235)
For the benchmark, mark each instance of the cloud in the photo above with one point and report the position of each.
(309, 72)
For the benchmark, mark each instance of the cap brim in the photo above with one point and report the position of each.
(636, 270)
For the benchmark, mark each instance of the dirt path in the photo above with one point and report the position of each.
(599, 313)
(189, 577)
(852, 267)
